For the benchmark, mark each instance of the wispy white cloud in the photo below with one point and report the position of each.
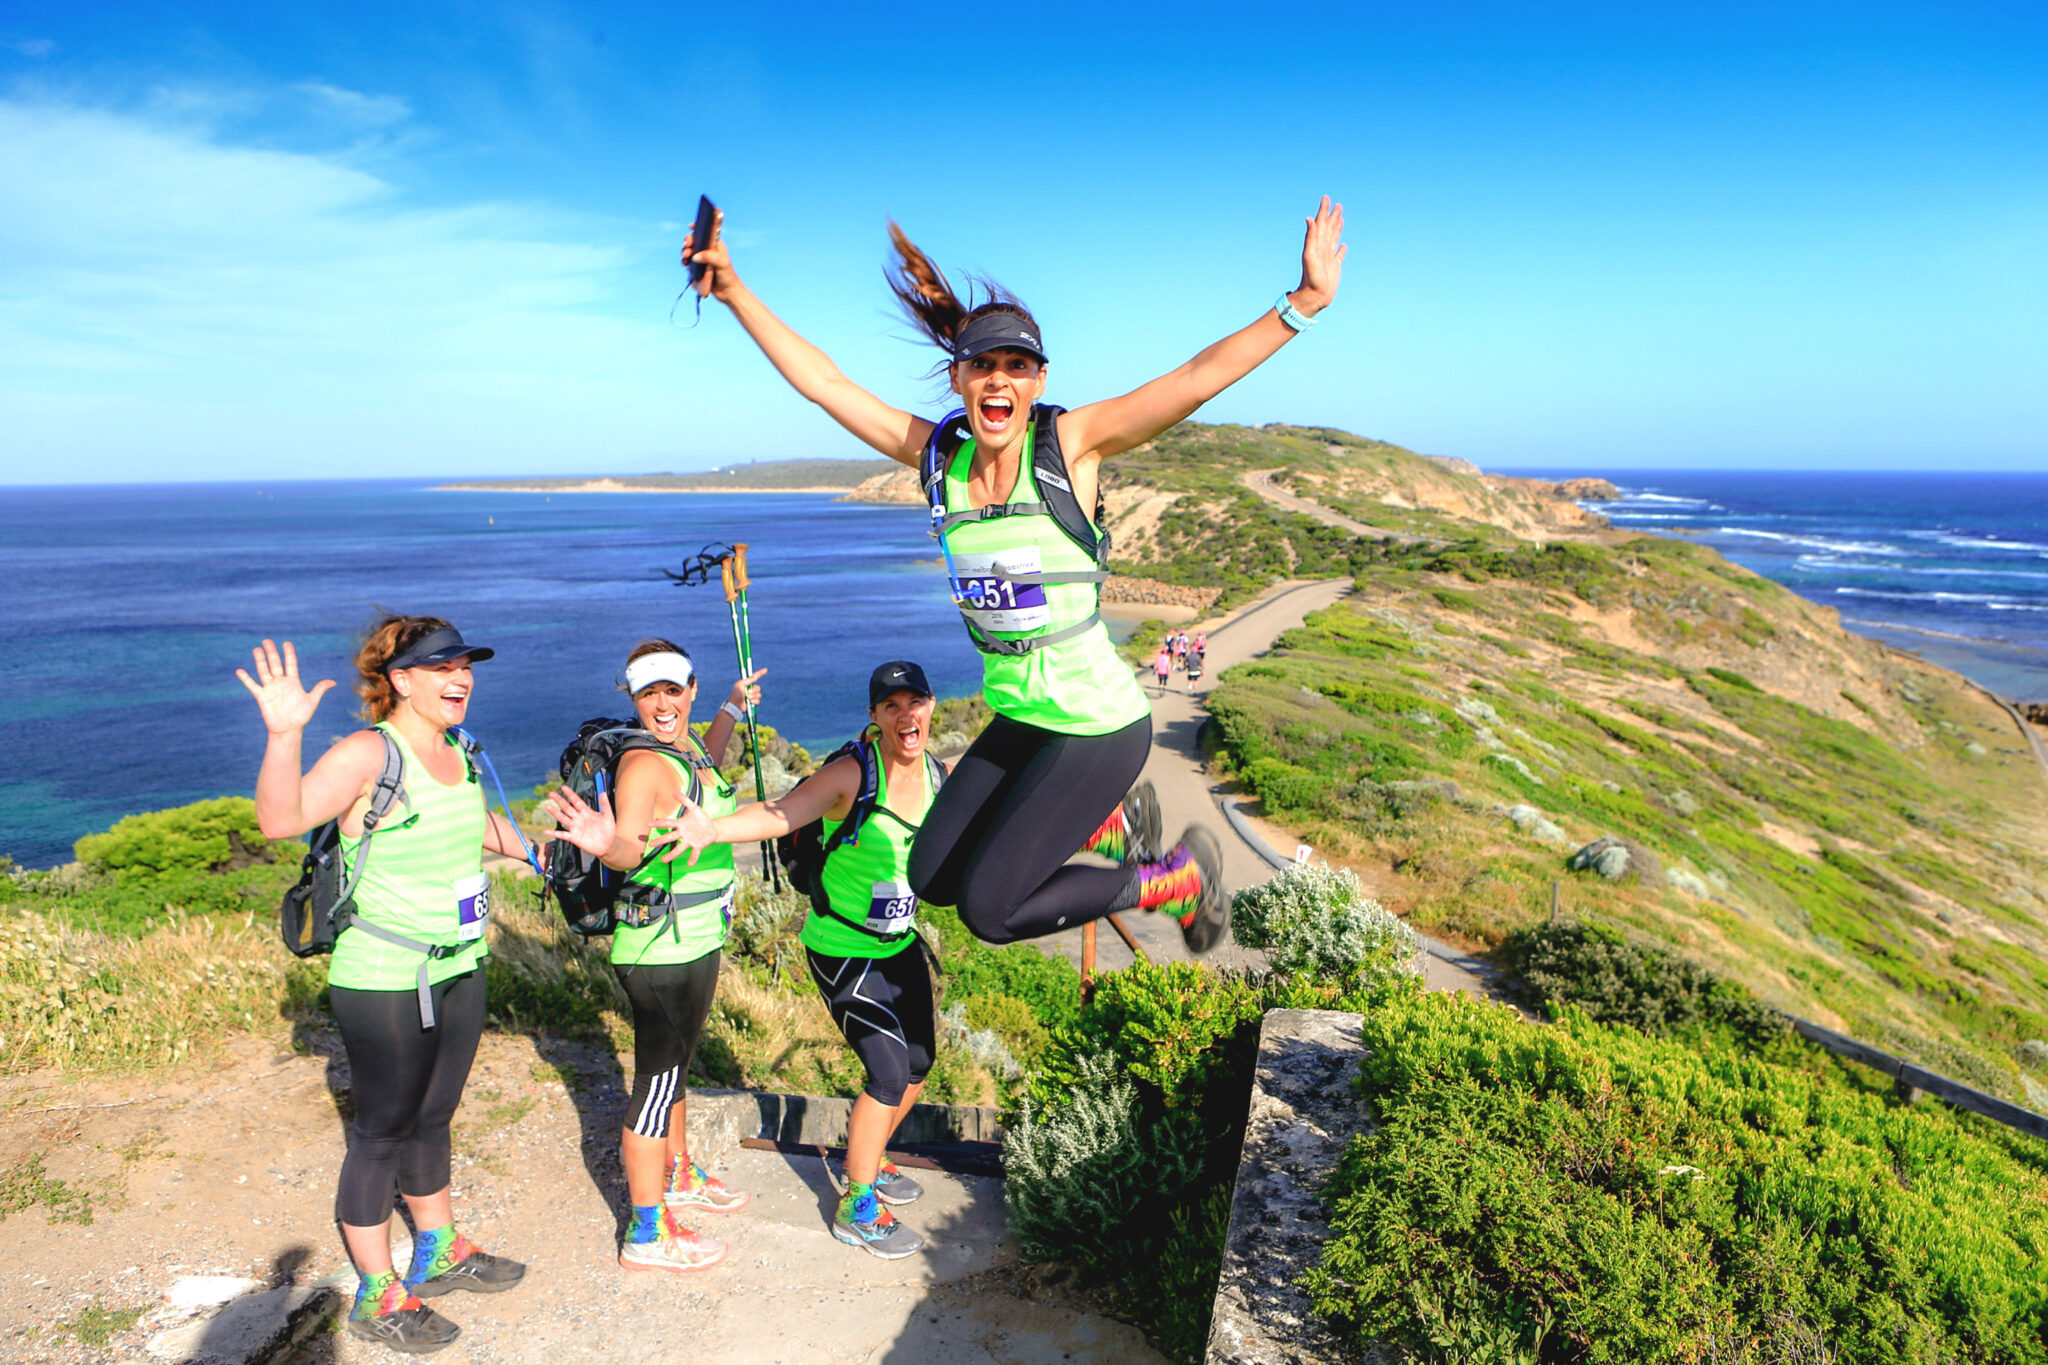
(173, 302)
(32, 47)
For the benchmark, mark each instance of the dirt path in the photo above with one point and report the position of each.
(1260, 481)
(227, 1169)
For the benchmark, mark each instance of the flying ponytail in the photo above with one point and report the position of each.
(928, 299)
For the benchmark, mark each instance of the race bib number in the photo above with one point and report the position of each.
(472, 907)
(991, 600)
(891, 908)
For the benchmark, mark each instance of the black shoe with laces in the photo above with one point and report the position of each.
(479, 1271)
(411, 1331)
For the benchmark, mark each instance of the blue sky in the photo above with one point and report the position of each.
(249, 242)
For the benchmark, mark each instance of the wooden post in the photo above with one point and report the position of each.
(1088, 960)
(1125, 934)
(1554, 890)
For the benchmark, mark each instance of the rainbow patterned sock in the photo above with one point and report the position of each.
(434, 1250)
(1172, 885)
(859, 1204)
(684, 1175)
(381, 1292)
(646, 1226)
(1113, 839)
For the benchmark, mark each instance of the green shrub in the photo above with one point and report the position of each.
(1733, 679)
(1656, 1200)
(1050, 986)
(1318, 920)
(1615, 980)
(1283, 786)
(206, 836)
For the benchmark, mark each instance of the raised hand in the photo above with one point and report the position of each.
(718, 276)
(690, 830)
(747, 691)
(285, 703)
(593, 831)
(1322, 259)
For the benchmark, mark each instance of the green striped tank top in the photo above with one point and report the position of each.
(424, 880)
(1077, 686)
(699, 929)
(869, 881)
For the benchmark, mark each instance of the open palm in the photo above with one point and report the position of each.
(285, 702)
(592, 829)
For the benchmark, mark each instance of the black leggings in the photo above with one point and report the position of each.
(1020, 802)
(671, 1001)
(406, 1081)
(884, 1007)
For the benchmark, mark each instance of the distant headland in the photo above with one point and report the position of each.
(845, 477)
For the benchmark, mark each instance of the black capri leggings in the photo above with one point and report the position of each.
(405, 1081)
(671, 1001)
(884, 1007)
(1020, 802)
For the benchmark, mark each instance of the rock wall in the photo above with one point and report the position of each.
(1150, 591)
(1303, 1112)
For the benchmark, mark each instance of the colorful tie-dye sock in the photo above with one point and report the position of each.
(434, 1250)
(859, 1204)
(381, 1292)
(646, 1225)
(1172, 885)
(1113, 839)
(684, 1175)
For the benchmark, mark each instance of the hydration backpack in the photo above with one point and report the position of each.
(1056, 499)
(803, 851)
(596, 899)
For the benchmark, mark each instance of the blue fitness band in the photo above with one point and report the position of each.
(1292, 316)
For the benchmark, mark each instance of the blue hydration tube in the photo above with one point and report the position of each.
(946, 553)
(532, 857)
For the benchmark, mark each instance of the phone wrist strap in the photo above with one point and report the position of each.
(1292, 316)
(737, 715)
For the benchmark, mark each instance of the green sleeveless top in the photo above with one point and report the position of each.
(869, 881)
(1078, 686)
(699, 929)
(424, 880)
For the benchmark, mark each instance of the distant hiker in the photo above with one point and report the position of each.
(421, 883)
(1162, 665)
(1016, 506)
(1180, 649)
(1194, 667)
(665, 944)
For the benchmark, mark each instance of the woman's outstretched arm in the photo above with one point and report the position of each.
(897, 434)
(1115, 425)
(288, 803)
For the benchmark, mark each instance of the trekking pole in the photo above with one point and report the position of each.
(732, 571)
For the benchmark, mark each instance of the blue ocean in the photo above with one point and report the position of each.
(131, 607)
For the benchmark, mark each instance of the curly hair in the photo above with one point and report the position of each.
(390, 637)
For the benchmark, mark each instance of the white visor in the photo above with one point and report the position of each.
(653, 668)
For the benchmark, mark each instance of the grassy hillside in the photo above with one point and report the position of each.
(1853, 834)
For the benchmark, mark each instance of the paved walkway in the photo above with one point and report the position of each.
(1187, 793)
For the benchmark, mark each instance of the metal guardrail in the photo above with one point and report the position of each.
(1911, 1079)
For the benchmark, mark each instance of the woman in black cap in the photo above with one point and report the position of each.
(406, 981)
(1013, 487)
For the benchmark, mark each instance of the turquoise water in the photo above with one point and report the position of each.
(132, 606)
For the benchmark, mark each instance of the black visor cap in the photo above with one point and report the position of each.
(900, 676)
(997, 332)
(438, 647)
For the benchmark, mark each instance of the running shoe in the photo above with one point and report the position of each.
(412, 1331)
(479, 1271)
(705, 1191)
(1141, 823)
(1202, 909)
(677, 1249)
(865, 1223)
(894, 1187)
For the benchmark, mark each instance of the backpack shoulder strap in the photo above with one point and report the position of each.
(1056, 486)
(865, 799)
(948, 435)
(389, 791)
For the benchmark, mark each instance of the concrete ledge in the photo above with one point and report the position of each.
(1301, 1115)
(721, 1119)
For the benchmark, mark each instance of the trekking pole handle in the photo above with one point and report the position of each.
(739, 554)
(725, 576)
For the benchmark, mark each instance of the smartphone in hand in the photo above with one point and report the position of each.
(700, 234)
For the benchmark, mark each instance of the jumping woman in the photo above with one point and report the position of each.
(671, 926)
(1013, 487)
(406, 982)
